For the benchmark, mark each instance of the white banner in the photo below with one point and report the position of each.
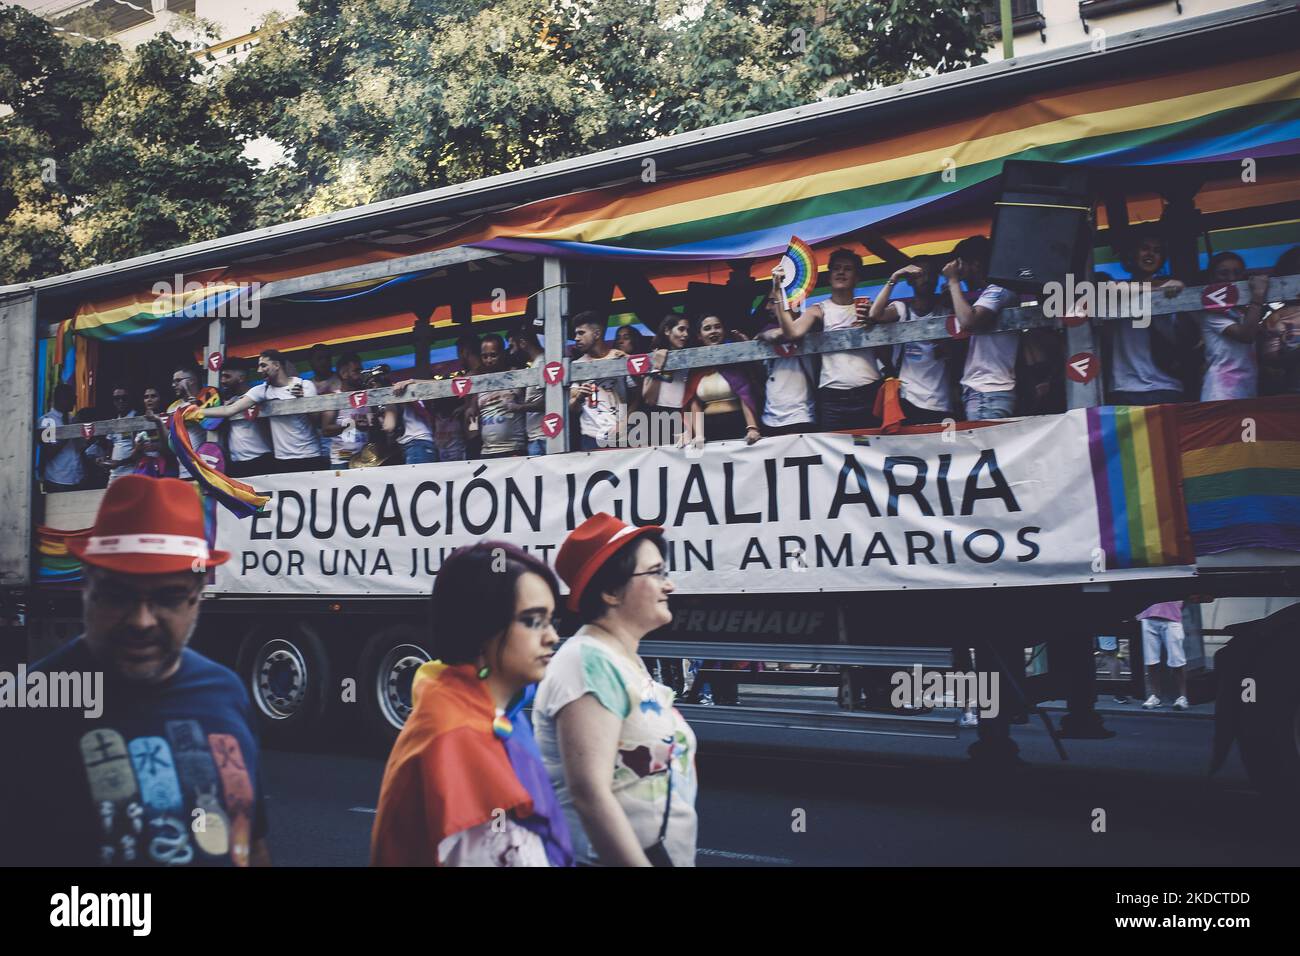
(1005, 505)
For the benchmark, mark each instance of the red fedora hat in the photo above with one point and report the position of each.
(589, 546)
(148, 526)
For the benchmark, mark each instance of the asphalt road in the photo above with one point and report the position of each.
(893, 802)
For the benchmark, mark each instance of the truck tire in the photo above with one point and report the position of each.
(287, 673)
(388, 665)
(1269, 728)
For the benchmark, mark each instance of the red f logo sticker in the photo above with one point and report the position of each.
(357, 399)
(88, 430)
(461, 386)
(1219, 298)
(955, 330)
(250, 412)
(786, 348)
(551, 423)
(638, 364)
(1081, 367)
(553, 373)
(215, 361)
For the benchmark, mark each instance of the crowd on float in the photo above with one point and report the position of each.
(1239, 352)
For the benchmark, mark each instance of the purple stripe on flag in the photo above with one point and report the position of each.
(1101, 482)
(1282, 537)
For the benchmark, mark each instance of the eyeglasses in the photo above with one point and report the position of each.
(540, 622)
(170, 601)
(660, 572)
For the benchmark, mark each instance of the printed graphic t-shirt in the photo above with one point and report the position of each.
(653, 736)
(126, 788)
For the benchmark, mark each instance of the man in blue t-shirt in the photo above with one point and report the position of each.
(155, 761)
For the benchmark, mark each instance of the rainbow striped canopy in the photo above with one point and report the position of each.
(1247, 106)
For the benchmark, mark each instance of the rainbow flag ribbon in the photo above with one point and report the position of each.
(208, 397)
(56, 565)
(1140, 512)
(239, 499)
(1241, 473)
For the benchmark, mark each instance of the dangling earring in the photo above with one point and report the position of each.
(483, 672)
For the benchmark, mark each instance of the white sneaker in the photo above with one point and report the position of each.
(1181, 703)
(1151, 703)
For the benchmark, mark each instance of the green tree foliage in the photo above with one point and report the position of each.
(374, 99)
(163, 167)
(49, 86)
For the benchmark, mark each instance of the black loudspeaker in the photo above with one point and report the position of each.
(1042, 225)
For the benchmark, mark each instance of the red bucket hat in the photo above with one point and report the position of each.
(148, 526)
(589, 546)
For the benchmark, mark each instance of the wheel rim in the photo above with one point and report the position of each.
(393, 680)
(280, 677)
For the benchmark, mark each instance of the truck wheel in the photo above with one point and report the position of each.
(286, 671)
(1269, 735)
(388, 665)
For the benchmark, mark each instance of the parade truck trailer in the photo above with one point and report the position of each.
(874, 554)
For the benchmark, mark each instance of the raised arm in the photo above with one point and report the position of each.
(970, 318)
(237, 407)
(882, 309)
(795, 328)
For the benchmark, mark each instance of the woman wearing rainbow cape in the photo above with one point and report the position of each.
(465, 784)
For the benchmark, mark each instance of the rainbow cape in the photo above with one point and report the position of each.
(238, 498)
(456, 765)
(1241, 473)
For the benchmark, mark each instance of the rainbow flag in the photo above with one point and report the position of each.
(56, 564)
(1140, 512)
(1241, 473)
(240, 499)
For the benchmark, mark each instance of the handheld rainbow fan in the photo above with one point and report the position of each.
(798, 272)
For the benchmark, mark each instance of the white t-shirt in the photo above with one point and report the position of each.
(851, 368)
(789, 395)
(600, 421)
(294, 436)
(654, 741)
(673, 391)
(991, 359)
(496, 843)
(415, 425)
(123, 445)
(247, 437)
(61, 461)
(1132, 368)
(922, 371)
(1232, 368)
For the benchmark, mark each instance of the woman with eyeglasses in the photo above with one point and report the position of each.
(620, 755)
(465, 784)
